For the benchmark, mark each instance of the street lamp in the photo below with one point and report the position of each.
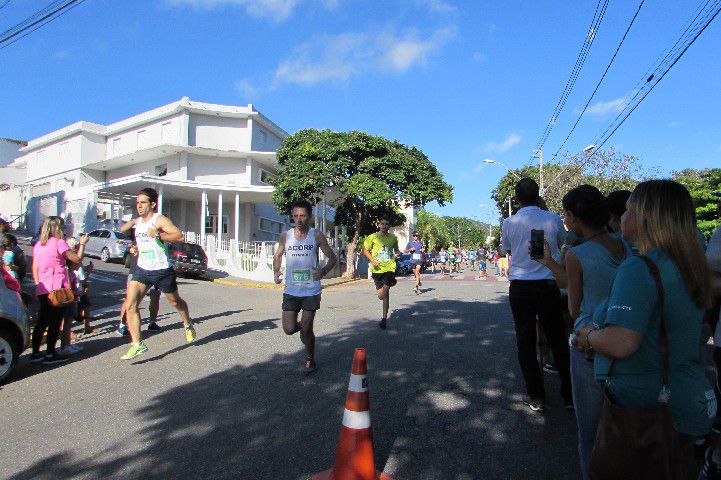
(488, 160)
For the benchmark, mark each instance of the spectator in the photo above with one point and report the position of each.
(9, 242)
(660, 220)
(10, 281)
(50, 273)
(588, 273)
(534, 293)
(616, 202)
(67, 348)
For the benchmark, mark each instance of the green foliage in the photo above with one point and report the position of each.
(607, 170)
(701, 184)
(438, 231)
(365, 176)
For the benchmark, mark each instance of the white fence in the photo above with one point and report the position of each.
(250, 260)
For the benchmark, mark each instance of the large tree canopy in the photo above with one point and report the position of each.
(367, 176)
(436, 231)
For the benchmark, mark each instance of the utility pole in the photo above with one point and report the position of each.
(509, 206)
(540, 169)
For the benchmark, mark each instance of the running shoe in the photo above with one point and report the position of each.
(122, 330)
(549, 368)
(57, 357)
(134, 351)
(65, 351)
(535, 405)
(75, 348)
(382, 324)
(310, 366)
(711, 470)
(153, 327)
(189, 333)
(36, 357)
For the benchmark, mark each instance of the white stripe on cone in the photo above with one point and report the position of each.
(358, 383)
(356, 420)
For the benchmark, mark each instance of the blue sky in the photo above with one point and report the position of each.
(462, 80)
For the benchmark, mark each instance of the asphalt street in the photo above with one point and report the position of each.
(445, 389)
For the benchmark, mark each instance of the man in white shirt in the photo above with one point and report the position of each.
(533, 293)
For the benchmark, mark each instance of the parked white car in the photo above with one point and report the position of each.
(14, 330)
(107, 244)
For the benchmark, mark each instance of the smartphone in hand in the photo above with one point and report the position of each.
(537, 239)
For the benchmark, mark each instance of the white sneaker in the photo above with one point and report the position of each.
(74, 348)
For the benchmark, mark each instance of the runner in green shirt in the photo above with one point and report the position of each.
(381, 248)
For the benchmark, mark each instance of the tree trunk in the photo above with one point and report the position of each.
(350, 252)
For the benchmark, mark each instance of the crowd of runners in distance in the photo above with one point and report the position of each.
(457, 260)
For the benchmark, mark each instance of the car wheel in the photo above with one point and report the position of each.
(9, 354)
(105, 255)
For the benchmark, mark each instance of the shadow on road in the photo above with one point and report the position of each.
(446, 403)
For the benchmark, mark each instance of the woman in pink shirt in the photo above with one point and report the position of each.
(50, 273)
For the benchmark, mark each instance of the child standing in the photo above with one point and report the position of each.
(9, 242)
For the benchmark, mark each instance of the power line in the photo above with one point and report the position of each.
(4, 4)
(593, 94)
(696, 26)
(37, 20)
(598, 16)
(77, 4)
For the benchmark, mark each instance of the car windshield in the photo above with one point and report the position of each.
(121, 236)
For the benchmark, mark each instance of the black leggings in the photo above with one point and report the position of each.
(50, 318)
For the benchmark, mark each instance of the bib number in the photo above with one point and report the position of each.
(416, 256)
(149, 255)
(301, 277)
(383, 255)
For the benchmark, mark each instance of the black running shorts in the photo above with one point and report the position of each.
(296, 304)
(163, 280)
(385, 278)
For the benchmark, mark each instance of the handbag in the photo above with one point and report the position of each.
(62, 296)
(639, 443)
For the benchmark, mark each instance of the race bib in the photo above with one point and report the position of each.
(383, 255)
(149, 255)
(301, 277)
(416, 256)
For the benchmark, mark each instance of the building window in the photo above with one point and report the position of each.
(116, 146)
(165, 131)
(142, 138)
(211, 224)
(161, 170)
(265, 177)
(64, 151)
(270, 226)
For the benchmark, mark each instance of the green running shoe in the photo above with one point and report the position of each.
(189, 333)
(134, 351)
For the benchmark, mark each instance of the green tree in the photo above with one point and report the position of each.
(701, 184)
(364, 176)
(607, 170)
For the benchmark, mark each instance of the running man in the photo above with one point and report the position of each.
(153, 295)
(153, 269)
(300, 246)
(417, 251)
(381, 248)
(443, 260)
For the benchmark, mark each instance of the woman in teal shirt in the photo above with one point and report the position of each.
(661, 222)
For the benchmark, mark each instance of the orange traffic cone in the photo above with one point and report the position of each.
(354, 457)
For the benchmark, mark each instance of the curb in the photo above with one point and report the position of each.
(271, 286)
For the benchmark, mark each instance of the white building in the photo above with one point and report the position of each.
(210, 164)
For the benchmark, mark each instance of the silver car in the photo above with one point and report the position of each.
(107, 244)
(14, 330)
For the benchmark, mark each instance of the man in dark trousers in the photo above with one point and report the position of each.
(533, 293)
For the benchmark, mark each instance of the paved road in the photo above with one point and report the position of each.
(444, 384)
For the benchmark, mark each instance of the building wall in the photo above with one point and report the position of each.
(58, 157)
(164, 131)
(92, 148)
(263, 140)
(217, 170)
(219, 133)
(172, 162)
(9, 151)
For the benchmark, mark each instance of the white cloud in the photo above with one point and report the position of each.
(336, 58)
(478, 57)
(275, 10)
(673, 124)
(246, 90)
(601, 109)
(63, 54)
(437, 6)
(506, 144)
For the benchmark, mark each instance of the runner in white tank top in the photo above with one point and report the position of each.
(302, 276)
(152, 254)
(154, 269)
